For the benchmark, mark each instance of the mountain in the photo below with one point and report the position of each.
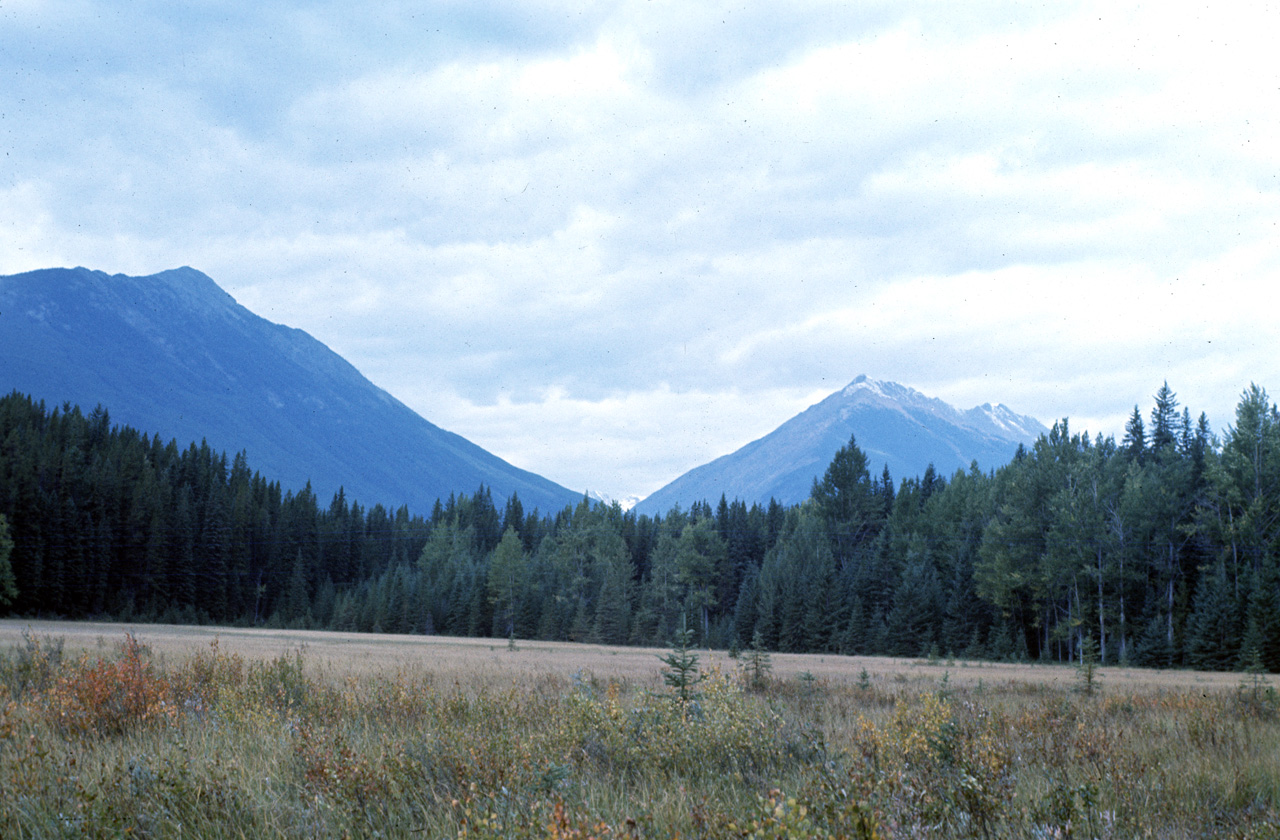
(893, 425)
(174, 354)
(624, 502)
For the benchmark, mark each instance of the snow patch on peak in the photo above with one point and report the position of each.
(998, 420)
(1006, 420)
(901, 396)
(1000, 416)
(624, 502)
(871, 386)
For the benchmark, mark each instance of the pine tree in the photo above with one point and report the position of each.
(508, 570)
(746, 606)
(613, 613)
(701, 558)
(8, 584)
(916, 615)
(1262, 632)
(1213, 629)
(1135, 436)
(1165, 421)
(757, 664)
(1088, 664)
(296, 609)
(682, 673)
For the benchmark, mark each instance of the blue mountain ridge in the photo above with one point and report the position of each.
(893, 425)
(174, 354)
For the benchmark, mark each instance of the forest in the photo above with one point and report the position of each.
(1162, 550)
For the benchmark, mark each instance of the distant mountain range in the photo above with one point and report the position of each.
(893, 424)
(174, 354)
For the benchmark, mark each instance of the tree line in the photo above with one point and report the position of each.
(1162, 549)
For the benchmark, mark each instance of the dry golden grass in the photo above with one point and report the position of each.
(226, 732)
(490, 662)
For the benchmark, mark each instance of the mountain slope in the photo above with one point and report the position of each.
(173, 353)
(893, 425)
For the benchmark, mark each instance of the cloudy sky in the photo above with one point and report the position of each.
(611, 242)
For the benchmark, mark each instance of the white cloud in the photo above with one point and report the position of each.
(24, 225)
(645, 437)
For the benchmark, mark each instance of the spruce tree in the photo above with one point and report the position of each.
(1088, 668)
(757, 664)
(8, 585)
(1165, 421)
(681, 673)
(845, 500)
(1262, 631)
(1135, 436)
(508, 571)
(1213, 629)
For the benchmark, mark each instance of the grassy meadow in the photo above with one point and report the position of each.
(108, 730)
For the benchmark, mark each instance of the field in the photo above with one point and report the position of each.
(108, 730)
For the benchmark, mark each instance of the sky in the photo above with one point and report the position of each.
(611, 242)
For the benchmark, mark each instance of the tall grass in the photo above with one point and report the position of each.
(212, 745)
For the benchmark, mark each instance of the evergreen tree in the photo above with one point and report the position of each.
(1007, 571)
(845, 501)
(916, 616)
(613, 615)
(1163, 500)
(746, 607)
(682, 674)
(1088, 667)
(1135, 436)
(296, 609)
(507, 581)
(953, 524)
(1213, 632)
(1165, 426)
(886, 492)
(513, 515)
(701, 559)
(1261, 638)
(446, 575)
(757, 664)
(661, 597)
(8, 584)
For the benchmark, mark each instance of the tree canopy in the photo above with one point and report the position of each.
(1161, 550)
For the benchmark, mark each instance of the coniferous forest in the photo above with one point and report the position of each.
(1162, 549)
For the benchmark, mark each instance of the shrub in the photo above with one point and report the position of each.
(32, 665)
(207, 679)
(109, 697)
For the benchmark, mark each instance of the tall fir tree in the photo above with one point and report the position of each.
(8, 583)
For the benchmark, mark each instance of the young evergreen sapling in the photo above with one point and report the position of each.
(757, 664)
(1088, 668)
(682, 673)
